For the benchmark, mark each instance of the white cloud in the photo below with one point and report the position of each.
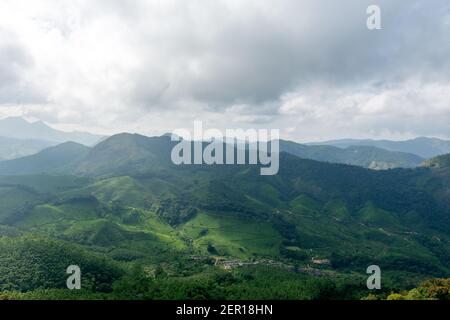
(151, 66)
(405, 110)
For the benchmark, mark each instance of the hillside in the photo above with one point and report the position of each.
(131, 204)
(133, 154)
(52, 159)
(364, 156)
(28, 256)
(19, 128)
(441, 162)
(124, 152)
(422, 146)
(11, 148)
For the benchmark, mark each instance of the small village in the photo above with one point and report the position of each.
(316, 267)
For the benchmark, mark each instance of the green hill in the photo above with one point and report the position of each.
(441, 162)
(123, 153)
(52, 159)
(30, 263)
(11, 148)
(19, 128)
(364, 156)
(128, 202)
(422, 146)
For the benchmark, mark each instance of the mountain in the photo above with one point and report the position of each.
(364, 156)
(11, 148)
(423, 147)
(16, 127)
(441, 162)
(133, 152)
(212, 227)
(48, 160)
(121, 152)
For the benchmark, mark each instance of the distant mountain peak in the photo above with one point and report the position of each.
(424, 147)
(359, 155)
(19, 128)
(15, 120)
(50, 159)
(39, 123)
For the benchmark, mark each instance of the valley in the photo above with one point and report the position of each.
(141, 227)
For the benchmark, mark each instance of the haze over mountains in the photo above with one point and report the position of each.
(48, 160)
(19, 137)
(422, 146)
(53, 158)
(141, 219)
(19, 128)
(363, 156)
(11, 148)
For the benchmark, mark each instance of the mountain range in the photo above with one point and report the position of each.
(360, 155)
(11, 148)
(206, 229)
(123, 202)
(67, 155)
(19, 138)
(19, 128)
(422, 146)
(126, 187)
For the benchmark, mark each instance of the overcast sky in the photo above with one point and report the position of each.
(310, 68)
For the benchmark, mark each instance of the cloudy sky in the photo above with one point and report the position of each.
(308, 67)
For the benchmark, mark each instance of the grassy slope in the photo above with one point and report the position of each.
(353, 216)
(117, 215)
(232, 236)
